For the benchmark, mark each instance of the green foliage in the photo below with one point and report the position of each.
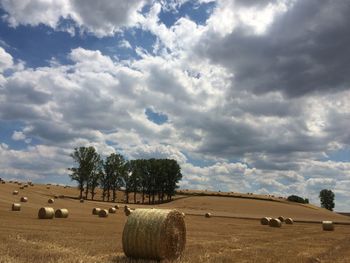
(153, 178)
(327, 199)
(298, 199)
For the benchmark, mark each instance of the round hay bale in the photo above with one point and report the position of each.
(116, 206)
(81, 200)
(112, 210)
(15, 192)
(47, 187)
(96, 210)
(327, 226)
(103, 213)
(55, 196)
(265, 220)
(281, 218)
(24, 199)
(51, 201)
(16, 207)
(127, 211)
(22, 187)
(207, 215)
(289, 221)
(61, 213)
(46, 213)
(3, 182)
(154, 234)
(183, 214)
(25, 185)
(126, 207)
(275, 222)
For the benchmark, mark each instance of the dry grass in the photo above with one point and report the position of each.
(86, 238)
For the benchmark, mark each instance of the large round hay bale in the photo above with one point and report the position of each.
(103, 213)
(24, 199)
(96, 210)
(207, 215)
(61, 213)
(51, 201)
(116, 206)
(275, 222)
(16, 207)
(154, 234)
(289, 221)
(127, 211)
(327, 226)
(112, 210)
(265, 220)
(15, 192)
(46, 213)
(281, 218)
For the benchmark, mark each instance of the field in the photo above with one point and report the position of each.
(233, 234)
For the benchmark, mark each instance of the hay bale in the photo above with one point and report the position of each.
(281, 218)
(25, 186)
(81, 200)
(47, 187)
(275, 222)
(127, 211)
(207, 215)
(15, 192)
(112, 210)
(55, 196)
(103, 213)
(16, 207)
(3, 182)
(183, 214)
(126, 207)
(22, 187)
(116, 206)
(24, 199)
(327, 226)
(154, 234)
(51, 201)
(265, 220)
(61, 213)
(46, 213)
(96, 210)
(289, 221)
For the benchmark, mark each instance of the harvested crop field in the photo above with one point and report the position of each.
(232, 234)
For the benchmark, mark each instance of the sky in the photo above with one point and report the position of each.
(247, 95)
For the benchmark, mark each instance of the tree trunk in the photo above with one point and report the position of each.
(86, 192)
(143, 195)
(134, 197)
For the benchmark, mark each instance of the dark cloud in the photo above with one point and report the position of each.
(305, 50)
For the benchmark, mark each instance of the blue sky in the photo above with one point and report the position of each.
(248, 96)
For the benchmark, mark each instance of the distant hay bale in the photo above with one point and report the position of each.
(46, 213)
(265, 220)
(154, 234)
(183, 214)
(207, 215)
(281, 218)
(81, 200)
(47, 187)
(96, 210)
(116, 206)
(25, 185)
(16, 207)
(19, 183)
(15, 192)
(126, 207)
(289, 221)
(22, 187)
(61, 196)
(10, 182)
(24, 199)
(127, 211)
(327, 226)
(51, 201)
(112, 210)
(275, 222)
(103, 213)
(61, 213)
(3, 182)
(55, 196)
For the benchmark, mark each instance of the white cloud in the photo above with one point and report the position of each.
(6, 60)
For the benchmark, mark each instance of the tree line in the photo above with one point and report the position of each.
(155, 180)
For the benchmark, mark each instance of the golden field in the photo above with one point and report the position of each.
(233, 234)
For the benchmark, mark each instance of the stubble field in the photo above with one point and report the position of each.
(233, 234)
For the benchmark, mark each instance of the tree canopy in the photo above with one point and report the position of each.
(327, 199)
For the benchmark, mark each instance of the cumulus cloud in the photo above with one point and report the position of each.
(6, 60)
(101, 18)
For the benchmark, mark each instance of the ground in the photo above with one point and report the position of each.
(233, 234)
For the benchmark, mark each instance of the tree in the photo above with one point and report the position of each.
(115, 169)
(327, 199)
(88, 161)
